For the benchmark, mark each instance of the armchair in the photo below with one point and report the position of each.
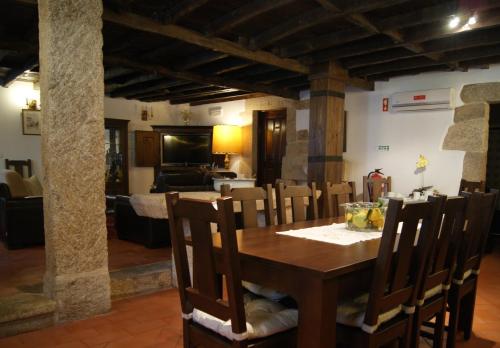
(21, 216)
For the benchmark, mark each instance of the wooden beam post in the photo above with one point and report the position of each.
(326, 122)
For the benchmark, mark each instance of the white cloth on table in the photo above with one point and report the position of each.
(334, 234)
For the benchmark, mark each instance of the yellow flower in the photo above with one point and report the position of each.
(422, 162)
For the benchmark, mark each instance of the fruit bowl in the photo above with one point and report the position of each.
(364, 216)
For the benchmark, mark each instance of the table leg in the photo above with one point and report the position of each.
(317, 302)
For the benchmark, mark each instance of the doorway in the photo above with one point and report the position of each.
(271, 145)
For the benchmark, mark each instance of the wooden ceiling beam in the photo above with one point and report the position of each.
(323, 41)
(146, 87)
(486, 19)
(419, 17)
(243, 14)
(216, 44)
(200, 59)
(414, 71)
(402, 64)
(182, 9)
(362, 21)
(175, 101)
(455, 57)
(15, 72)
(167, 94)
(459, 41)
(189, 76)
(226, 99)
(315, 17)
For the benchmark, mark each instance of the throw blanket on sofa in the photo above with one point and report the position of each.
(153, 205)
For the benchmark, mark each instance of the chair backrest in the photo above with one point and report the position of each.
(373, 188)
(398, 272)
(205, 293)
(478, 216)
(333, 195)
(297, 195)
(471, 186)
(248, 197)
(19, 165)
(443, 255)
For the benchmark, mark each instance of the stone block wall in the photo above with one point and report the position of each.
(294, 164)
(470, 130)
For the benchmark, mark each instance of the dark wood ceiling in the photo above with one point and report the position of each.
(200, 51)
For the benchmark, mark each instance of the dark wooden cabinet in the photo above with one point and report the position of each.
(116, 150)
(147, 149)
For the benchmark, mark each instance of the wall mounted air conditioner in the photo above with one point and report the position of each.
(427, 100)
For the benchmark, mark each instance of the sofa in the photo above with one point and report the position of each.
(186, 179)
(21, 210)
(152, 233)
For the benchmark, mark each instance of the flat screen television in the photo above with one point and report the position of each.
(186, 149)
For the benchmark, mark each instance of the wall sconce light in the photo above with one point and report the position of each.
(31, 104)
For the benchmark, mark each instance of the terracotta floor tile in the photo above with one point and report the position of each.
(154, 321)
(24, 268)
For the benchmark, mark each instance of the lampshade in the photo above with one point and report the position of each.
(226, 139)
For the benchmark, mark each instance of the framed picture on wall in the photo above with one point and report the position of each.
(31, 120)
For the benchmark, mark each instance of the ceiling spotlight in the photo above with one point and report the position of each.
(454, 22)
(472, 20)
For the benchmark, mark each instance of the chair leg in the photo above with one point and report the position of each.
(405, 341)
(467, 315)
(439, 328)
(454, 304)
(415, 332)
(185, 333)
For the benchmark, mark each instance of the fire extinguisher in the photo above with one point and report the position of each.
(376, 175)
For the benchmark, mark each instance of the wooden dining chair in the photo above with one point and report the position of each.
(373, 189)
(432, 295)
(248, 197)
(333, 195)
(384, 315)
(462, 294)
(471, 186)
(209, 319)
(298, 196)
(19, 166)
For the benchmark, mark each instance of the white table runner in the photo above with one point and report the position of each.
(335, 234)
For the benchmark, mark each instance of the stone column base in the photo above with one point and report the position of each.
(79, 296)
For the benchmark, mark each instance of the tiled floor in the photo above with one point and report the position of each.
(155, 321)
(23, 269)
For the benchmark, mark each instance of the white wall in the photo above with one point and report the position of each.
(15, 145)
(407, 134)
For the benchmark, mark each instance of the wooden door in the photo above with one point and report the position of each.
(271, 145)
(147, 149)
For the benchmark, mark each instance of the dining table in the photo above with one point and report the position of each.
(316, 274)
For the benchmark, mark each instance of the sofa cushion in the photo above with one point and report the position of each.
(268, 293)
(264, 318)
(15, 182)
(352, 313)
(33, 186)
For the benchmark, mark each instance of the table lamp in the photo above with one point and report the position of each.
(226, 139)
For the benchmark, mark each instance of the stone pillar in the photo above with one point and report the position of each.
(72, 97)
(326, 123)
